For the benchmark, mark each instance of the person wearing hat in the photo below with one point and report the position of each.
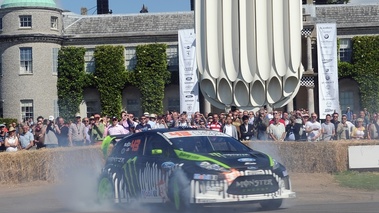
(11, 142)
(115, 128)
(152, 121)
(49, 130)
(76, 132)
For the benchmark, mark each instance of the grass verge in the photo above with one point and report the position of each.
(359, 180)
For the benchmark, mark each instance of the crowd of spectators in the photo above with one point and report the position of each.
(299, 125)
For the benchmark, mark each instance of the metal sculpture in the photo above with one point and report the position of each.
(248, 51)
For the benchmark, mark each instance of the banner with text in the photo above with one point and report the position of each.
(327, 69)
(188, 83)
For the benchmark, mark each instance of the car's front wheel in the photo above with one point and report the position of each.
(105, 190)
(179, 191)
(271, 204)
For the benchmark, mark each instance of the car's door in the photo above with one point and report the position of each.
(156, 164)
(132, 149)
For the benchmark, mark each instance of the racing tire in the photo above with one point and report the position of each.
(179, 192)
(271, 204)
(106, 190)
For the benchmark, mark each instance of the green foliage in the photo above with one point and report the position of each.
(345, 70)
(70, 80)
(364, 69)
(8, 121)
(109, 77)
(151, 75)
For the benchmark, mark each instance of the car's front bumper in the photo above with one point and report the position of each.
(217, 192)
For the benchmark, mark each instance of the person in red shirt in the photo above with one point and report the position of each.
(216, 125)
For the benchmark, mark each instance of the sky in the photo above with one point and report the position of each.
(127, 6)
(134, 6)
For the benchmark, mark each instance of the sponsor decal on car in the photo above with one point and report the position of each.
(205, 177)
(253, 184)
(197, 157)
(247, 160)
(237, 155)
(167, 165)
(187, 133)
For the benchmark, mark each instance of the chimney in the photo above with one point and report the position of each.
(144, 9)
(102, 7)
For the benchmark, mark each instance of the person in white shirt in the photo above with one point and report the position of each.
(230, 129)
(115, 128)
(153, 121)
(277, 130)
(313, 128)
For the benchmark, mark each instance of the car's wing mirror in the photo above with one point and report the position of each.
(156, 151)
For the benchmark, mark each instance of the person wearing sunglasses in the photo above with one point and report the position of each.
(313, 128)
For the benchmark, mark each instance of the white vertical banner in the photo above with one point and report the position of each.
(327, 69)
(188, 82)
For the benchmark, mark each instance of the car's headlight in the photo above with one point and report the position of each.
(275, 165)
(210, 166)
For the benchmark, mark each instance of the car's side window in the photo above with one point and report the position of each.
(156, 142)
(132, 146)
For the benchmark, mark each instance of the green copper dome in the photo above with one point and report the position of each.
(28, 3)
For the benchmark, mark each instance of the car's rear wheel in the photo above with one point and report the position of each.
(271, 204)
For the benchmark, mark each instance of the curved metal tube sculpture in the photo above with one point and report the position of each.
(249, 51)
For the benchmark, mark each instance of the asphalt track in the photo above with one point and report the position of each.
(77, 196)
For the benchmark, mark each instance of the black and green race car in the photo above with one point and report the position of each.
(186, 167)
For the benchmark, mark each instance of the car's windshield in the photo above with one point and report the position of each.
(206, 144)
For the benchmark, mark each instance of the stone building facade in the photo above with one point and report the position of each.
(31, 35)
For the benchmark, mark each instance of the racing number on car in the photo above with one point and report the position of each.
(180, 134)
(135, 145)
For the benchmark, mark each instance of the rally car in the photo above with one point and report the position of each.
(190, 167)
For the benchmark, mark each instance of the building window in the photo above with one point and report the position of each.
(173, 104)
(26, 60)
(56, 109)
(89, 60)
(27, 109)
(347, 100)
(25, 21)
(55, 60)
(131, 58)
(93, 107)
(54, 22)
(345, 49)
(133, 106)
(172, 55)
